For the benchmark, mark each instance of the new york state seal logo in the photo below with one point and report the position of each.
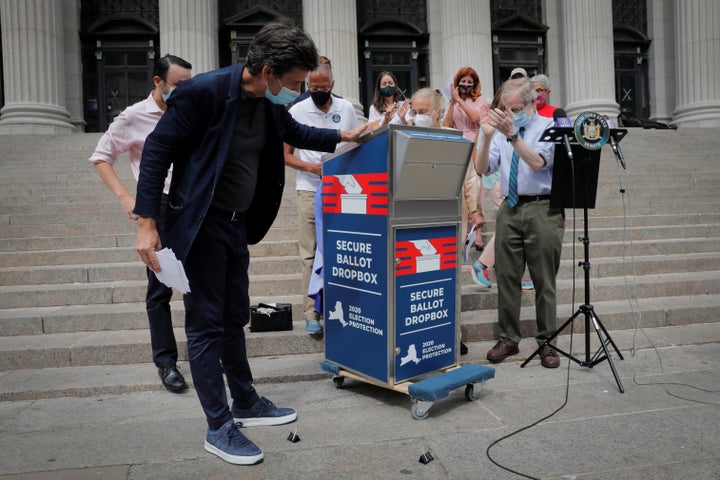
(591, 130)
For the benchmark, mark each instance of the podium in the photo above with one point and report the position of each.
(574, 185)
(391, 212)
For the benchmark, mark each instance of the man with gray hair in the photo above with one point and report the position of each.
(323, 110)
(541, 84)
(528, 231)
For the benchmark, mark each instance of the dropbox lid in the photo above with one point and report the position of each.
(429, 165)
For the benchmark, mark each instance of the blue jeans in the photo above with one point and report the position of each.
(216, 310)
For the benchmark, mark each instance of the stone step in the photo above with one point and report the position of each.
(133, 346)
(124, 233)
(475, 297)
(104, 380)
(47, 187)
(120, 305)
(106, 252)
(45, 295)
(120, 271)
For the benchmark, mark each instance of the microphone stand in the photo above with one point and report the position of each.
(616, 150)
(557, 134)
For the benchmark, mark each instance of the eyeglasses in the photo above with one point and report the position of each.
(318, 90)
(540, 90)
(519, 109)
(422, 111)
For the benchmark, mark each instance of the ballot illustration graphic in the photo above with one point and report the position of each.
(425, 255)
(356, 194)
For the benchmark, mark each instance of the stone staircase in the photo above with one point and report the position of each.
(72, 288)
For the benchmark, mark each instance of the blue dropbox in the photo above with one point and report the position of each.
(391, 212)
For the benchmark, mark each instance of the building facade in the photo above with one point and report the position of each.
(72, 65)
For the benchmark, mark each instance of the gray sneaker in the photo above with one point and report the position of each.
(263, 413)
(228, 443)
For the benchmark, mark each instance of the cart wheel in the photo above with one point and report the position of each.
(418, 412)
(472, 392)
(338, 381)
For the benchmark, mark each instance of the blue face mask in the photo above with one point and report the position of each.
(165, 96)
(521, 119)
(284, 96)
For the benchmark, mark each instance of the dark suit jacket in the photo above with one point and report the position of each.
(194, 136)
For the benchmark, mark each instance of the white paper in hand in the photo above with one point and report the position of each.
(469, 240)
(446, 91)
(171, 271)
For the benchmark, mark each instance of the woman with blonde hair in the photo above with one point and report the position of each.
(425, 108)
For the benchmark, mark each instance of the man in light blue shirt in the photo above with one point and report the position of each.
(528, 232)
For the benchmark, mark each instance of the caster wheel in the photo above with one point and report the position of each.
(339, 382)
(472, 392)
(418, 413)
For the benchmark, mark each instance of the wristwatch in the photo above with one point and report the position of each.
(512, 138)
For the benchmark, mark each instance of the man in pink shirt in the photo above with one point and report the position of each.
(126, 134)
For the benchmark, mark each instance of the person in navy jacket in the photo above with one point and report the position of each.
(223, 131)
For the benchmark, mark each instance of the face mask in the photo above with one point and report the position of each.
(465, 88)
(423, 120)
(165, 96)
(320, 98)
(541, 98)
(521, 119)
(284, 96)
(387, 91)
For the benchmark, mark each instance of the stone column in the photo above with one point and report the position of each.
(589, 60)
(661, 75)
(697, 66)
(73, 64)
(189, 29)
(332, 24)
(34, 68)
(555, 54)
(466, 40)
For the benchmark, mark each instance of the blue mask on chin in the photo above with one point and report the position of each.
(165, 96)
(284, 96)
(521, 119)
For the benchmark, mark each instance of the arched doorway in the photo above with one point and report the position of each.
(237, 31)
(517, 41)
(395, 46)
(118, 57)
(631, 72)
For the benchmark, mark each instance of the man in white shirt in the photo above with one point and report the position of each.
(126, 134)
(323, 110)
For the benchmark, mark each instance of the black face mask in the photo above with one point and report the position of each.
(320, 98)
(465, 88)
(387, 91)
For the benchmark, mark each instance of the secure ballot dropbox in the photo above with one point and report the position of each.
(391, 212)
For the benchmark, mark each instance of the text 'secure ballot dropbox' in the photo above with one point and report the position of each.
(391, 216)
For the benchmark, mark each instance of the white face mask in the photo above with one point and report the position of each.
(423, 120)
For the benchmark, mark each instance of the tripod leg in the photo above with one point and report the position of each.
(607, 335)
(598, 326)
(546, 343)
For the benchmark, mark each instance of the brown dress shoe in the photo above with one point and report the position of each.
(501, 351)
(549, 358)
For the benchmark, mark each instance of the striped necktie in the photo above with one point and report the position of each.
(514, 165)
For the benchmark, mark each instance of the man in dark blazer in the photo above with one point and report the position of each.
(224, 132)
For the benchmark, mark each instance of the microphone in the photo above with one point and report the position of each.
(561, 120)
(618, 153)
(615, 145)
